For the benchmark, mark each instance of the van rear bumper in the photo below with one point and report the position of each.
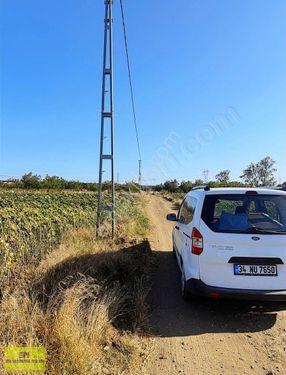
(198, 288)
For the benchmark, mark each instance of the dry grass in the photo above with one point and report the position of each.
(86, 303)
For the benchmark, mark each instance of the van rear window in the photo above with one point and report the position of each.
(240, 213)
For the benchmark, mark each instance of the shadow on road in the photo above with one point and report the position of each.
(173, 317)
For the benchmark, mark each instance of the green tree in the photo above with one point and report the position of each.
(131, 186)
(186, 186)
(73, 185)
(171, 186)
(223, 176)
(199, 182)
(53, 182)
(159, 187)
(261, 173)
(106, 185)
(31, 181)
(92, 186)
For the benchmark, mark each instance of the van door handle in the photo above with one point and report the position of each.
(176, 227)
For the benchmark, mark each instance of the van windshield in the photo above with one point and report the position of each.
(241, 213)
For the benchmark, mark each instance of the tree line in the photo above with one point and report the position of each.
(34, 181)
(257, 174)
(254, 175)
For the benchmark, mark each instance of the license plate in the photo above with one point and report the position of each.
(255, 270)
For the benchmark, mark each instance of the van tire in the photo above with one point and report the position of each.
(174, 253)
(184, 290)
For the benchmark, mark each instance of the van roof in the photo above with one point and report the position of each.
(238, 190)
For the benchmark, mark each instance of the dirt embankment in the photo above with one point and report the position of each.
(208, 336)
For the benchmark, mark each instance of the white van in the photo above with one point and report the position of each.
(230, 242)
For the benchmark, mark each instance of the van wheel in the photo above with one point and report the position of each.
(185, 293)
(174, 252)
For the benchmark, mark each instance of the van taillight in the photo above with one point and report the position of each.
(197, 242)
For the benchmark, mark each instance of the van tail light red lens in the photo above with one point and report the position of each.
(197, 242)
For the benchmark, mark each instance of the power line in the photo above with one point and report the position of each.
(131, 87)
(4, 175)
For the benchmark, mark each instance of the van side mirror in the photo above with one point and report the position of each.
(171, 217)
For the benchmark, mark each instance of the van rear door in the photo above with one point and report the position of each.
(244, 241)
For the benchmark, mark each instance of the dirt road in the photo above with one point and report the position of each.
(209, 336)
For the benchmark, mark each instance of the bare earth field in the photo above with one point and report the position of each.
(209, 336)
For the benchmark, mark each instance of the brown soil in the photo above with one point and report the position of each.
(207, 336)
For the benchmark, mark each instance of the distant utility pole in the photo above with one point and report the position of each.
(107, 112)
(206, 175)
(140, 173)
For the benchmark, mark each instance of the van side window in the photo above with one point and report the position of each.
(181, 214)
(187, 210)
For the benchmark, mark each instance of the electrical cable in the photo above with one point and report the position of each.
(130, 79)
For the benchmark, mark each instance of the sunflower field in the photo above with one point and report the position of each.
(33, 222)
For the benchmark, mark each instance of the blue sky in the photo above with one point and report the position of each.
(193, 63)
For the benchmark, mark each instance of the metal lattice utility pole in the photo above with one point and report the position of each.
(206, 175)
(107, 123)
